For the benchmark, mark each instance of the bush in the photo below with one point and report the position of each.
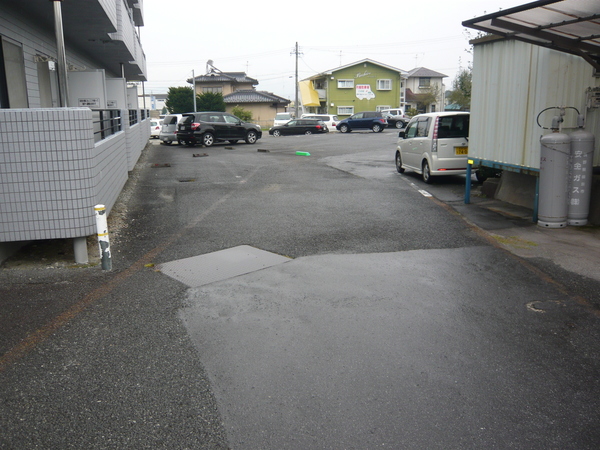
(242, 113)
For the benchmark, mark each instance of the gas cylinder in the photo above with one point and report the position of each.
(581, 169)
(554, 180)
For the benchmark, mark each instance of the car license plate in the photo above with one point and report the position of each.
(461, 150)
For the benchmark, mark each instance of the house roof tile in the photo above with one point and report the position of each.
(252, 96)
(238, 77)
(424, 72)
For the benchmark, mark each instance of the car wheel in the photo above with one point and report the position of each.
(251, 137)
(376, 128)
(167, 142)
(426, 172)
(344, 128)
(233, 141)
(399, 167)
(307, 132)
(276, 133)
(208, 139)
(399, 124)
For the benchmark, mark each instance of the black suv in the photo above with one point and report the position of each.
(208, 127)
(372, 120)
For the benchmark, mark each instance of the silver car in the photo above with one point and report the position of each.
(168, 131)
(434, 144)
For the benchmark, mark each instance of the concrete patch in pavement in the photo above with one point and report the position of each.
(220, 265)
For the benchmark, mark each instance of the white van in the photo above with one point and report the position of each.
(168, 131)
(395, 117)
(282, 118)
(330, 120)
(434, 144)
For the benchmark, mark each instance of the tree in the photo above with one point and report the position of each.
(242, 113)
(179, 100)
(461, 89)
(210, 101)
(432, 96)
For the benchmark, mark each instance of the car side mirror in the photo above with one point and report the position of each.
(402, 134)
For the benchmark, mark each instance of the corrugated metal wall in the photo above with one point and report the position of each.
(512, 83)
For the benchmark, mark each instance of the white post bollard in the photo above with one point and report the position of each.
(103, 242)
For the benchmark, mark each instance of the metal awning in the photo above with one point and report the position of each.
(571, 26)
(310, 97)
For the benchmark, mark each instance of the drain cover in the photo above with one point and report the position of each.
(221, 265)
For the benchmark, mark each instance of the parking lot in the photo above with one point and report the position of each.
(386, 319)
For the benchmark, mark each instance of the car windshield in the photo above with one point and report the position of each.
(453, 126)
(283, 116)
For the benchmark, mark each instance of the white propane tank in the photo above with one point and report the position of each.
(554, 180)
(582, 153)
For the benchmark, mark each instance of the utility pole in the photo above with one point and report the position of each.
(194, 88)
(296, 104)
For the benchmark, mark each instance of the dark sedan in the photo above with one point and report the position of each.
(299, 126)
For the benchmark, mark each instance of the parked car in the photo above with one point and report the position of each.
(281, 118)
(372, 120)
(208, 127)
(299, 126)
(434, 144)
(168, 131)
(328, 119)
(395, 117)
(155, 126)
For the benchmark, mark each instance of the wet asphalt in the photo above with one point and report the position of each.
(395, 323)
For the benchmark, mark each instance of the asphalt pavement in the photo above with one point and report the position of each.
(489, 339)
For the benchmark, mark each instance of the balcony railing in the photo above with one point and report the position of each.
(106, 122)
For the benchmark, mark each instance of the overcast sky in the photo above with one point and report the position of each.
(258, 37)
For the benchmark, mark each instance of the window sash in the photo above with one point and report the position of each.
(345, 84)
(384, 85)
(345, 110)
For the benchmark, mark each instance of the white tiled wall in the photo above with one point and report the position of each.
(52, 174)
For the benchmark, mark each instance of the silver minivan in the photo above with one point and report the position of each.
(434, 144)
(168, 131)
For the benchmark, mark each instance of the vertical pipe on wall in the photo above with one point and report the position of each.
(62, 55)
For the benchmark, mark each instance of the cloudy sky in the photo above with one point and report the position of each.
(259, 37)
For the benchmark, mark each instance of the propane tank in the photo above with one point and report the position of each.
(582, 150)
(554, 177)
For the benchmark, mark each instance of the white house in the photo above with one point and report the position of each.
(425, 90)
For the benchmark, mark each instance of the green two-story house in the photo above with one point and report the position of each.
(364, 85)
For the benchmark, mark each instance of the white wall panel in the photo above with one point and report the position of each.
(512, 83)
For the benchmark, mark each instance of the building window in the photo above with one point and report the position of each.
(345, 84)
(424, 82)
(13, 86)
(214, 90)
(345, 110)
(432, 108)
(384, 85)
